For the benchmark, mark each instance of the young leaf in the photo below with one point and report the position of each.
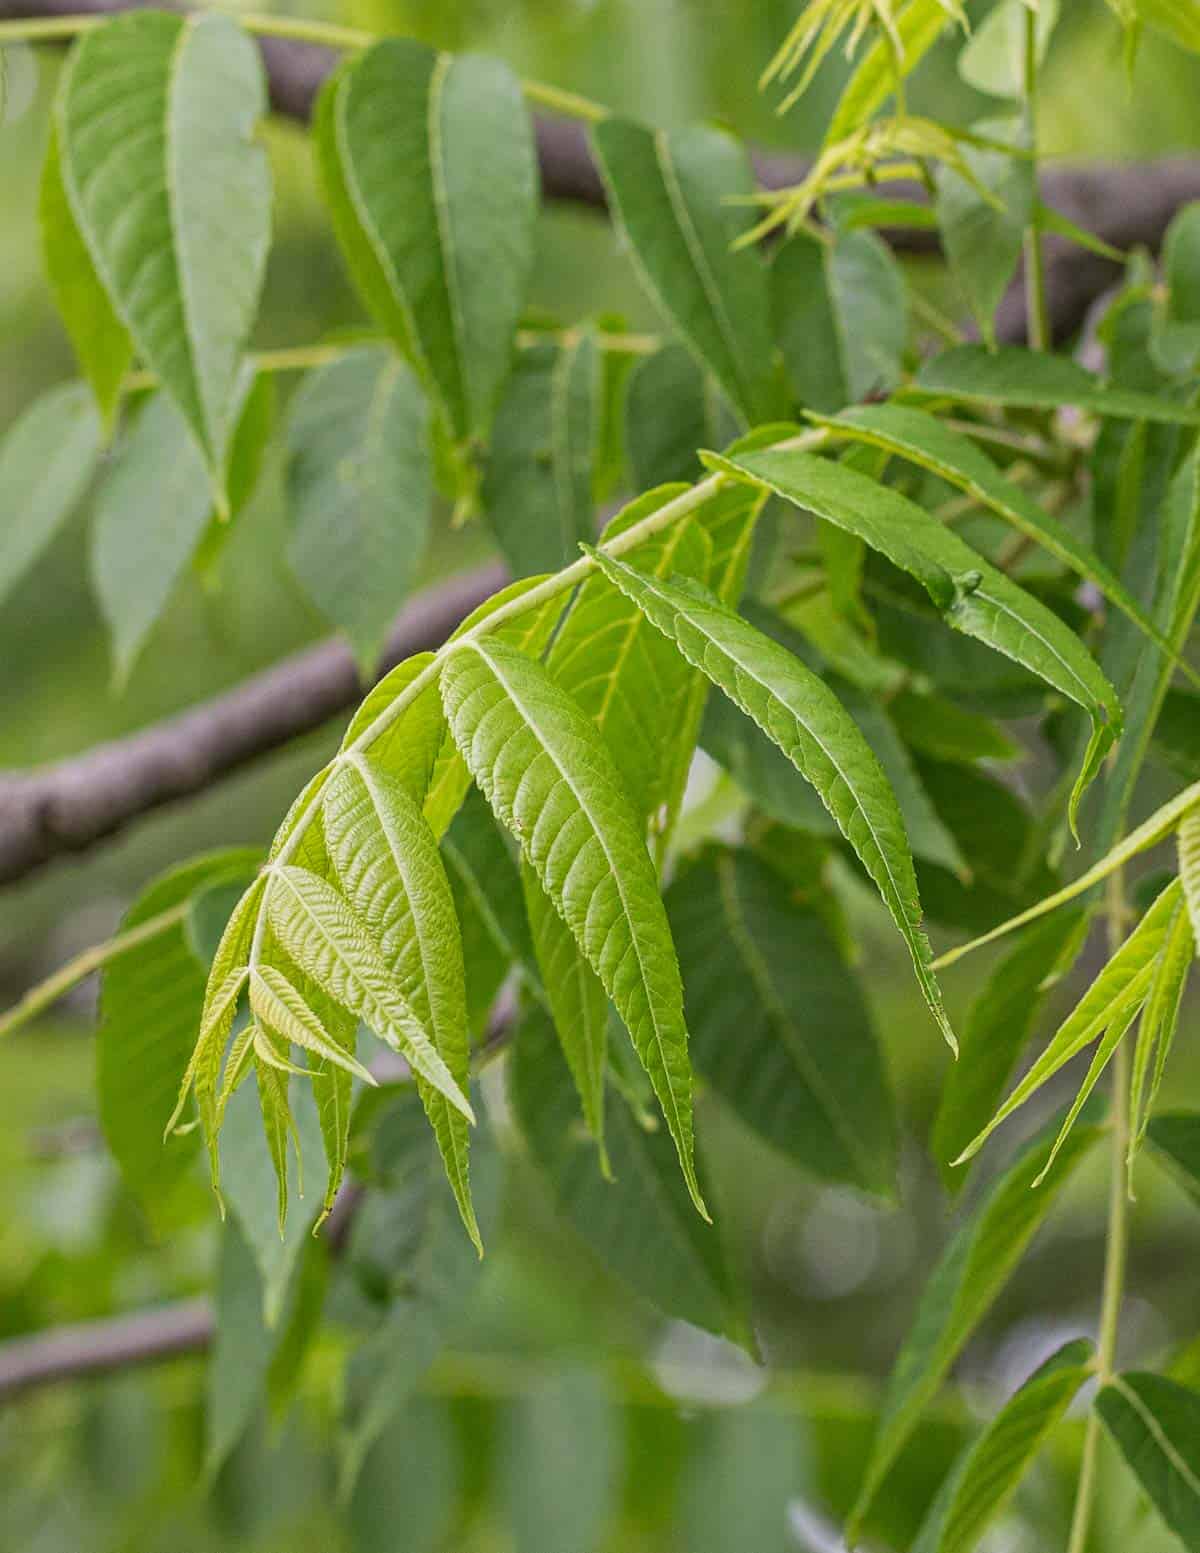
(796, 709)
(1175, 19)
(1156, 1035)
(918, 27)
(150, 1009)
(388, 864)
(278, 1006)
(841, 316)
(972, 1271)
(983, 239)
(1155, 1424)
(549, 776)
(991, 1470)
(1175, 1139)
(408, 749)
(993, 59)
(672, 407)
(779, 1027)
(672, 193)
(998, 1026)
(182, 262)
(435, 160)
(537, 491)
(1027, 379)
(47, 460)
(1110, 1004)
(100, 339)
(360, 489)
(577, 1001)
(640, 1223)
(1188, 839)
(330, 943)
(1160, 824)
(152, 507)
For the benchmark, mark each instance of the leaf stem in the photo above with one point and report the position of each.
(38, 999)
(57, 29)
(1035, 271)
(1117, 1243)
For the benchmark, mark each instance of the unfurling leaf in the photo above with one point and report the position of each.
(798, 711)
(549, 777)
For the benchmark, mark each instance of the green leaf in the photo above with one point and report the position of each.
(952, 456)
(1188, 839)
(248, 1172)
(435, 161)
(1175, 1139)
(640, 1223)
(999, 1024)
(740, 1480)
(360, 489)
(47, 459)
(961, 1290)
(411, 1479)
(1156, 1034)
(672, 408)
(989, 1473)
(330, 943)
(873, 81)
(277, 1005)
(931, 725)
(1175, 19)
(152, 508)
(1175, 339)
(561, 1463)
(804, 1071)
(549, 777)
(1177, 733)
(538, 488)
(388, 864)
(672, 194)
(993, 60)
(972, 595)
(1026, 379)
(407, 750)
(1117, 992)
(983, 242)
(183, 261)
(791, 704)
(150, 1007)
(1160, 824)
(578, 1003)
(841, 316)
(1155, 1424)
(101, 341)
(408, 1271)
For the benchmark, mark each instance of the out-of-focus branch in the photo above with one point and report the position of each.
(99, 1347)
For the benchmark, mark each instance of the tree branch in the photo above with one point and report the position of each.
(99, 1347)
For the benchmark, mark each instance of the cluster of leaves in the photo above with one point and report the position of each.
(506, 809)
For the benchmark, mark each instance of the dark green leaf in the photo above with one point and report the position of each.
(673, 407)
(1156, 1426)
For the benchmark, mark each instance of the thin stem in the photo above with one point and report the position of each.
(1116, 1247)
(349, 40)
(38, 999)
(1035, 272)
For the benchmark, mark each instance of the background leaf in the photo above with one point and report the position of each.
(1155, 1423)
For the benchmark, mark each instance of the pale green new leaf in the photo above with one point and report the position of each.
(1160, 1019)
(1160, 825)
(100, 339)
(47, 459)
(1110, 1004)
(388, 864)
(330, 943)
(989, 1473)
(675, 196)
(156, 121)
(537, 489)
(150, 1008)
(993, 59)
(973, 596)
(577, 1001)
(548, 775)
(278, 1005)
(640, 1223)
(797, 710)
(952, 456)
(1188, 841)
(360, 489)
(972, 1271)
(562, 1462)
(1176, 19)
(1031, 380)
(408, 748)
(435, 160)
(873, 81)
(1155, 1424)
(779, 1027)
(151, 511)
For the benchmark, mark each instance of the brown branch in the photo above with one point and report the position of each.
(99, 1347)
(69, 806)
